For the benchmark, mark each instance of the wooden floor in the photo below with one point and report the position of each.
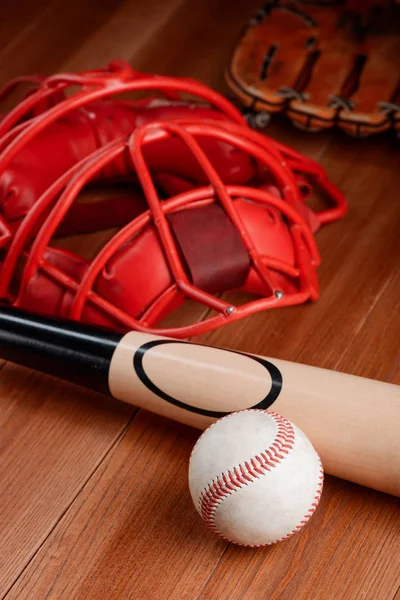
(94, 502)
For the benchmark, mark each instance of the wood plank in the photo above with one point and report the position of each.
(133, 28)
(342, 553)
(44, 42)
(133, 532)
(53, 437)
(174, 37)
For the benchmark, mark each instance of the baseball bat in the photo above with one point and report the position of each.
(353, 422)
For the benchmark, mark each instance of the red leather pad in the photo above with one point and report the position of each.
(213, 252)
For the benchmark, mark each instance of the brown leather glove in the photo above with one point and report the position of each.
(322, 63)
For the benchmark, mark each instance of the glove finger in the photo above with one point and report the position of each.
(376, 101)
(265, 61)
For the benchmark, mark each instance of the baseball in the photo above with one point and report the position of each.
(255, 478)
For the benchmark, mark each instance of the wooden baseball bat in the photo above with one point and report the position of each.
(353, 422)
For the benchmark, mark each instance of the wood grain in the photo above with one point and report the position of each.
(54, 436)
(93, 496)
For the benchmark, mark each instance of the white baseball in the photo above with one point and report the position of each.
(255, 478)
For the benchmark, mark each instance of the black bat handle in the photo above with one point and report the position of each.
(69, 350)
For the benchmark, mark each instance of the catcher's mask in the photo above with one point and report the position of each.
(196, 244)
(181, 238)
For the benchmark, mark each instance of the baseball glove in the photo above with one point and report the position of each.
(322, 64)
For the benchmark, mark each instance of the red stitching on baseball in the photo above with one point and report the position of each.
(311, 511)
(227, 483)
(218, 490)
